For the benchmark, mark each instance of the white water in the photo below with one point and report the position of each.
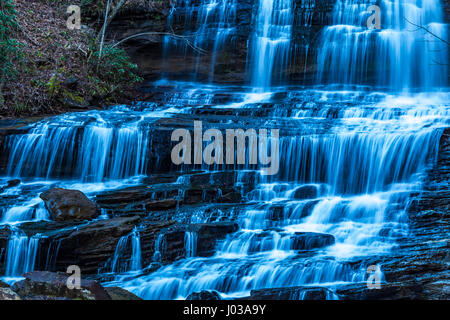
(348, 163)
(270, 43)
(399, 56)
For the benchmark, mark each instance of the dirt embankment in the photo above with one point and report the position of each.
(56, 69)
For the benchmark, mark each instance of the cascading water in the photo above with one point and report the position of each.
(348, 159)
(398, 56)
(340, 195)
(190, 243)
(20, 254)
(271, 40)
(134, 263)
(208, 25)
(104, 151)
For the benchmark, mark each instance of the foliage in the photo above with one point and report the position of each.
(114, 66)
(9, 47)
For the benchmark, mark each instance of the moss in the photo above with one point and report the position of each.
(54, 85)
(66, 94)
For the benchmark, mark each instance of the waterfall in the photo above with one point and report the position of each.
(120, 249)
(341, 194)
(136, 263)
(93, 153)
(159, 247)
(398, 56)
(190, 243)
(119, 262)
(349, 159)
(21, 254)
(358, 163)
(271, 40)
(208, 25)
(33, 209)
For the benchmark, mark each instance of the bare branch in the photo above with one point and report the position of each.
(170, 34)
(425, 29)
(103, 31)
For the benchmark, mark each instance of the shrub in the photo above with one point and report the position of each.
(114, 66)
(9, 47)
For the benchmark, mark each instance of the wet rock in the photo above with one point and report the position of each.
(89, 246)
(51, 285)
(172, 243)
(276, 213)
(13, 183)
(46, 228)
(410, 290)
(139, 200)
(200, 196)
(233, 196)
(209, 233)
(152, 267)
(305, 192)
(311, 240)
(292, 293)
(117, 293)
(5, 233)
(221, 178)
(204, 295)
(70, 205)
(8, 294)
(161, 205)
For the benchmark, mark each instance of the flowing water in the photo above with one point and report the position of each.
(208, 24)
(271, 40)
(398, 55)
(349, 155)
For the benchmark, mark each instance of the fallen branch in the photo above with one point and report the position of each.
(173, 35)
(425, 29)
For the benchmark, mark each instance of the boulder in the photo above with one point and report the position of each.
(53, 286)
(204, 295)
(8, 294)
(73, 205)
